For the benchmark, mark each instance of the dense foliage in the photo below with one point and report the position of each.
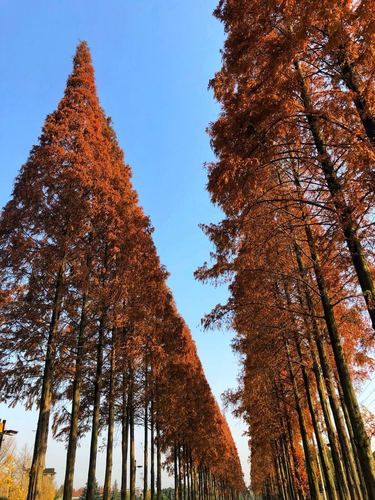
(295, 179)
(89, 330)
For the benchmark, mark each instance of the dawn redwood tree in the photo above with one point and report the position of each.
(262, 94)
(45, 225)
(296, 96)
(187, 415)
(87, 316)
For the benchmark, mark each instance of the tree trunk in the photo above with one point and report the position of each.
(187, 461)
(326, 469)
(158, 462)
(184, 471)
(281, 483)
(73, 432)
(175, 463)
(361, 439)
(41, 437)
(300, 492)
(357, 490)
(343, 211)
(111, 421)
(286, 484)
(342, 482)
(311, 474)
(362, 444)
(287, 460)
(351, 437)
(180, 491)
(346, 451)
(91, 480)
(152, 479)
(363, 108)
(124, 439)
(193, 478)
(132, 446)
(145, 452)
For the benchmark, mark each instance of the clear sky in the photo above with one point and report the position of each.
(153, 60)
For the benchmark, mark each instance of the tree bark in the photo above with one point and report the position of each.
(175, 464)
(158, 463)
(351, 437)
(363, 108)
(353, 481)
(311, 474)
(91, 480)
(73, 432)
(132, 445)
(145, 452)
(326, 469)
(300, 492)
(343, 483)
(124, 439)
(152, 479)
(343, 211)
(361, 439)
(41, 437)
(111, 421)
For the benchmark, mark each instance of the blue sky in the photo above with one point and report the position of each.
(153, 60)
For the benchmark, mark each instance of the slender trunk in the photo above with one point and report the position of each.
(152, 451)
(132, 446)
(326, 470)
(343, 211)
(351, 437)
(91, 480)
(347, 451)
(361, 439)
(311, 474)
(205, 471)
(145, 452)
(362, 443)
(280, 479)
(41, 437)
(158, 462)
(145, 448)
(179, 472)
(363, 107)
(203, 479)
(295, 459)
(175, 464)
(184, 470)
(73, 432)
(111, 421)
(289, 468)
(285, 482)
(187, 473)
(124, 439)
(193, 479)
(341, 480)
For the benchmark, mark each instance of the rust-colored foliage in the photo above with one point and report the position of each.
(294, 176)
(89, 330)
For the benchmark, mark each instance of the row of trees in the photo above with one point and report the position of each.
(89, 330)
(295, 177)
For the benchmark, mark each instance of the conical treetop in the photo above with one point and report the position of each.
(82, 78)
